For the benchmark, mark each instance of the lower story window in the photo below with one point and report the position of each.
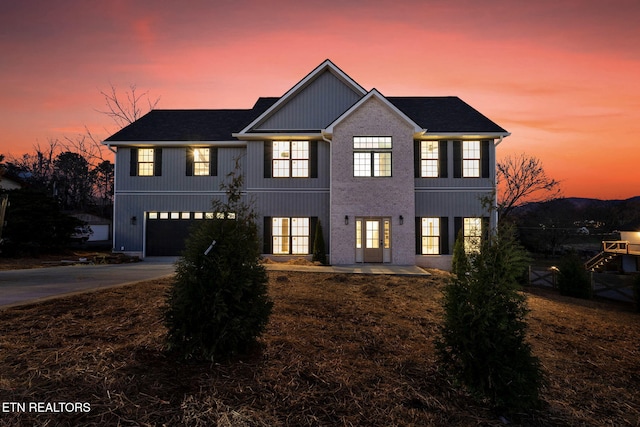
(290, 236)
(472, 232)
(430, 233)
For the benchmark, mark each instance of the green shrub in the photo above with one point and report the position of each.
(319, 252)
(218, 303)
(459, 260)
(482, 339)
(573, 278)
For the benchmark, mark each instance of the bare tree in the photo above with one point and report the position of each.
(126, 111)
(522, 179)
(39, 165)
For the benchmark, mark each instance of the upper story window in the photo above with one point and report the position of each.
(429, 159)
(290, 159)
(372, 156)
(202, 161)
(470, 159)
(146, 162)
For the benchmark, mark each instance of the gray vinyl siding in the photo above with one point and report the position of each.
(254, 166)
(315, 107)
(450, 203)
(174, 176)
(458, 183)
(131, 236)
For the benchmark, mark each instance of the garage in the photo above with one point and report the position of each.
(166, 232)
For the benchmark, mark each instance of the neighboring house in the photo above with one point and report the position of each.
(392, 179)
(623, 254)
(100, 227)
(10, 182)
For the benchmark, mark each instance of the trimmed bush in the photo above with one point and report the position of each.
(482, 339)
(218, 304)
(319, 252)
(573, 278)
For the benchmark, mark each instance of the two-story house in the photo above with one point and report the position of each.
(391, 179)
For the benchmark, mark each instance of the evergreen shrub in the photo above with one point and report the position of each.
(218, 305)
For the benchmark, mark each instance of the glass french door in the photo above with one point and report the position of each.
(373, 240)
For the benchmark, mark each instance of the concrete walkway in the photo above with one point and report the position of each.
(397, 270)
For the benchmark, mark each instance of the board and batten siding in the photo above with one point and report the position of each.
(255, 163)
(174, 177)
(314, 107)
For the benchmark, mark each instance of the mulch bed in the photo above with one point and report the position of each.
(338, 350)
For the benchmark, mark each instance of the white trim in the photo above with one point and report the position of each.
(168, 192)
(463, 136)
(279, 136)
(326, 65)
(288, 190)
(215, 144)
(453, 189)
(417, 129)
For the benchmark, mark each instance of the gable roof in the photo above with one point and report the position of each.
(377, 95)
(441, 117)
(190, 125)
(326, 67)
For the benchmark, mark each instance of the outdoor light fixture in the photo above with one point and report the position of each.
(134, 220)
(346, 220)
(401, 220)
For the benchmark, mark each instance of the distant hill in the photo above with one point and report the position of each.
(606, 215)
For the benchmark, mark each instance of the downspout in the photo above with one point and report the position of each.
(113, 215)
(495, 182)
(328, 141)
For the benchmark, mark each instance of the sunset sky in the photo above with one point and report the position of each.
(562, 76)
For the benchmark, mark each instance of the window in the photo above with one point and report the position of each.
(429, 159)
(201, 161)
(472, 234)
(372, 156)
(430, 233)
(471, 159)
(290, 159)
(145, 161)
(290, 236)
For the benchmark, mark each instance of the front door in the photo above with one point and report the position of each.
(373, 240)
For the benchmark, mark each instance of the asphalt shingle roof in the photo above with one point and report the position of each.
(445, 114)
(190, 125)
(436, 114)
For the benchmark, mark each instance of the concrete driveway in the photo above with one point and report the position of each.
(22, 286)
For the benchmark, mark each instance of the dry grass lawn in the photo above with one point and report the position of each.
(340, 350)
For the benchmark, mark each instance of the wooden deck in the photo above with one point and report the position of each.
(621, 247)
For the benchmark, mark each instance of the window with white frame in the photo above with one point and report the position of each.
(472, 234)
(290, 236)
(372, 156)
(145, 161)
(201, 161)
(430, 233)
(471, 159)
(429, 159)
(290, 159)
